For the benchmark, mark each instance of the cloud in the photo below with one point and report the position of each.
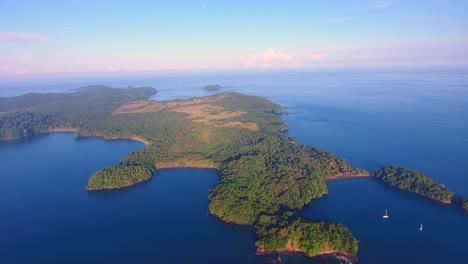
(22, 72)
(315, 56)
(271, 58)
(340, 20)
(423, 54)
(5, 69)
(380, 4)
(23, 37)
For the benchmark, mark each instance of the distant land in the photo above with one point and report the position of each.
(213, 87)
(265, 177)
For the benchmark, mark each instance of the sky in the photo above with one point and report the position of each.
(68, 37)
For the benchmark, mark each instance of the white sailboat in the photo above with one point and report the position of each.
(421, 227)
(386, 214)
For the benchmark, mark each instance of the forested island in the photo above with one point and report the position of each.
(420, 184)
(265, 176)
(262, 170)
(276, 231)
(212, 87)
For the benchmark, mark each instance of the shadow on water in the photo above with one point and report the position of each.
(301, 259)
(36, 137)
(321, 214)
(414, 197)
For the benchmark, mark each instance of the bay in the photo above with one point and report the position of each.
(47, 217)
(372, 118)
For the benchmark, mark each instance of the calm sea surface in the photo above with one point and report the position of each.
(414, 118)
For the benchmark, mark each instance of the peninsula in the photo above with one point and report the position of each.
(265, 177)
(420, 184)
(262, 171)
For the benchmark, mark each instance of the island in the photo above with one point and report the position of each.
(415, 182)
(293, 234)
(262, 171)
(265, 177)
(212, 87)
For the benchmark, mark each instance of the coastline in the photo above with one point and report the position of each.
(157, 168)
(70, 129)
(230, 222)
(365, 176)
(337, 254)
(117, 188)
(141, 140)
(61, 129)
(346, 177)
(178, 166)
(417, 194)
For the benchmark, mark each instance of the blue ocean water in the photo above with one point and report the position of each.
(47, 217)
(372, 118)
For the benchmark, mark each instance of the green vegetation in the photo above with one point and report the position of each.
(119, 176)
(265, 177)
(33, 113)
(418, 183)
(271, 174)
(415, 182)
(211, 87)
(460, 202)
(288, 232)
(262, 171)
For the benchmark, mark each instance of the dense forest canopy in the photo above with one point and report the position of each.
(420, 184)
(414, 181)
(262, 170)
(287, 231)
(461, 202)
(265, 177)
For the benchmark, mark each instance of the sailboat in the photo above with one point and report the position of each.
(421, 227)
(386, 214)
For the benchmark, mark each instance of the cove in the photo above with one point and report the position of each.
(360, 204)
(47, 217)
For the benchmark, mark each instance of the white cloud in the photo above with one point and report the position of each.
(23, 37)
(271, 58)
(380, 4)
(22, 72)
(6, 68)
(315, 56)
(423, 54)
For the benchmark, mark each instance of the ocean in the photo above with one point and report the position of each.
(372, 118)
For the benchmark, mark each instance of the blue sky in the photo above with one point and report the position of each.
(65, 37)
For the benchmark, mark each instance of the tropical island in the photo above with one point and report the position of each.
(212, 87)
(420, 184)
(265, 177)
